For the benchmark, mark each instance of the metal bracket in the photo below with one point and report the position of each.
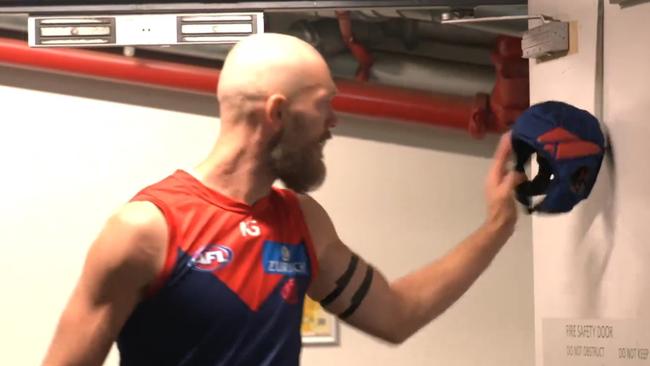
(456, 18)
(550, 38)
(546, 40)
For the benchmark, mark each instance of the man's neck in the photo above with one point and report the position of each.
(236, 171)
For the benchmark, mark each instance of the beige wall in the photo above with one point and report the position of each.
(400, 195)
(591, 264)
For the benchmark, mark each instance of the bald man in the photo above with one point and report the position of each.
(211, 266)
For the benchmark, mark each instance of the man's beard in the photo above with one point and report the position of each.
(299, 166)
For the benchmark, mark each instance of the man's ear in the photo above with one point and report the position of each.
(274, 110)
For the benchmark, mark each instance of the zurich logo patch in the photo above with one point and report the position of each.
(212, 257)
(285, 259)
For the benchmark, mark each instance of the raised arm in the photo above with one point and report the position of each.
(361, 295)
(120, 264)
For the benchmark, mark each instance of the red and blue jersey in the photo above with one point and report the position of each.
(232, 288)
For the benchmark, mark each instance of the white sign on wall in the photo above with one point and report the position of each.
(595, 342)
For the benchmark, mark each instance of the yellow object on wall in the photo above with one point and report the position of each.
(318, 326)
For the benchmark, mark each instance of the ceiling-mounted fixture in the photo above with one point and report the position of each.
(547, 40)
(149, 29)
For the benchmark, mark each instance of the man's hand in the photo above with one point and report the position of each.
(499, 188)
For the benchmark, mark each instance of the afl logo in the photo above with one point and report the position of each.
(213, 257)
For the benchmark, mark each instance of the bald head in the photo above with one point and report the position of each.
(265, 64)
(275, 94)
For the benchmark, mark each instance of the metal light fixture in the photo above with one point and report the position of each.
(142, 29)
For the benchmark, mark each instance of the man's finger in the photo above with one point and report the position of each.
(514, 179)
(501, 157)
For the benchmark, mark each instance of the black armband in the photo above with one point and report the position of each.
(342, 282)
(358, 296)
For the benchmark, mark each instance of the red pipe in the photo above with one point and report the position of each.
(404, 104)
(354, 97)
(359, 52)
(109, 66)
(510, 96)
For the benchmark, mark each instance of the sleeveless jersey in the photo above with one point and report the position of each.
(233, 284)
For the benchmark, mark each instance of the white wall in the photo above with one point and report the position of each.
(400, 195)
(68, 162)
(591, 264)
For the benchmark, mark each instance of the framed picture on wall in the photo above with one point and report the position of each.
(318, 326)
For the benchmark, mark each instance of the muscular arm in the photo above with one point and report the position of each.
(120, 264)
(395, 310)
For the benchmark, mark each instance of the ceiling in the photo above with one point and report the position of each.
(409, 45)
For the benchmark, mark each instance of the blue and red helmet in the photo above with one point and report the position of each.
(569, 145)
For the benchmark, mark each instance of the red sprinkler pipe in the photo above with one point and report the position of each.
(108, 66)
(406, 104)
(354, 97)
(360, 53)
